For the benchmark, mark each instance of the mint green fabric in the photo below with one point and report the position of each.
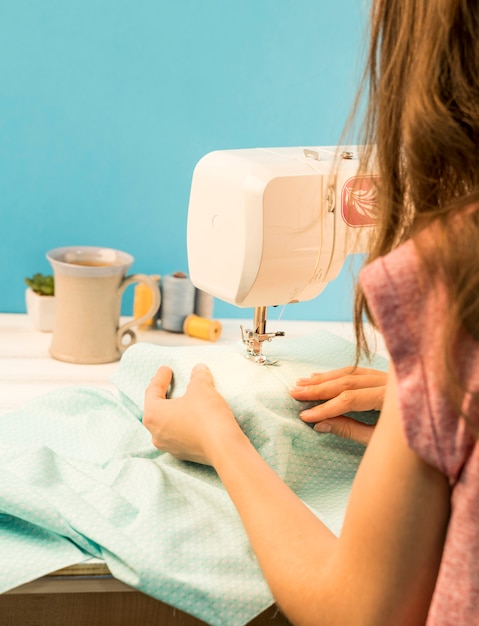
(79, 477)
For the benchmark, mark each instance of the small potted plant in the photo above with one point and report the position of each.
(40, 301)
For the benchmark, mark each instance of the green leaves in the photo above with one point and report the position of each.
(41, 284)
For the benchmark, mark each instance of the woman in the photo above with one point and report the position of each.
(408, 552)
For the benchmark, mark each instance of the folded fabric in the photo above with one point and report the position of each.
(79, 477)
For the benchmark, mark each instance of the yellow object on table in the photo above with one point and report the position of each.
(143, 299)
(202, 327)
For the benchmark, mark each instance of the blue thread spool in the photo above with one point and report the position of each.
(178, 301)
(203, 304)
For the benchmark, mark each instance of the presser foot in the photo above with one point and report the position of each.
(260, 359)
(254, 344)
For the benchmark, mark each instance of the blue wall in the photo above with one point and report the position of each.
(106, 106)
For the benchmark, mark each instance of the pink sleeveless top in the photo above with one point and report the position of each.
(410, 316)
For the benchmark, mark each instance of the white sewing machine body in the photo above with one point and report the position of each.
(273, 226)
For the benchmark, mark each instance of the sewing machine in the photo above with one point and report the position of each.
(272, 226)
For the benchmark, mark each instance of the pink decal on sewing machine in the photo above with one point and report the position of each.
(359, 201)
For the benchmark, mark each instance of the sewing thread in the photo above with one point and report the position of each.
(203, 304)
(178, 301)
(201, 327)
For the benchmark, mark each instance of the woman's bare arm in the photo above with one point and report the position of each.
(383, 567)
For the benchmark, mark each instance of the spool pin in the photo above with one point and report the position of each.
(202, 327)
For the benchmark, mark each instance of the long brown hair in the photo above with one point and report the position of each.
(422, 87)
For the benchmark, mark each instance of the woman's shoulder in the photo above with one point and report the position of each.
(395, 291)
(411, 309)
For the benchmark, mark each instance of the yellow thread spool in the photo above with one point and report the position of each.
(202, 327)
(143, 299)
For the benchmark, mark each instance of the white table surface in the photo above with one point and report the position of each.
(27, 371)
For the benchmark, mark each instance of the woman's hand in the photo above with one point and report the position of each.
(188, 427)
(345, 390)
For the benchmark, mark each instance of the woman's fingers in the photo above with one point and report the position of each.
(201, 375)
(322, 377)
(324, 390)
(347, 428)
(160, 382)
(346, 402)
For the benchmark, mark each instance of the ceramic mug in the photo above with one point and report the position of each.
(89, 284)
